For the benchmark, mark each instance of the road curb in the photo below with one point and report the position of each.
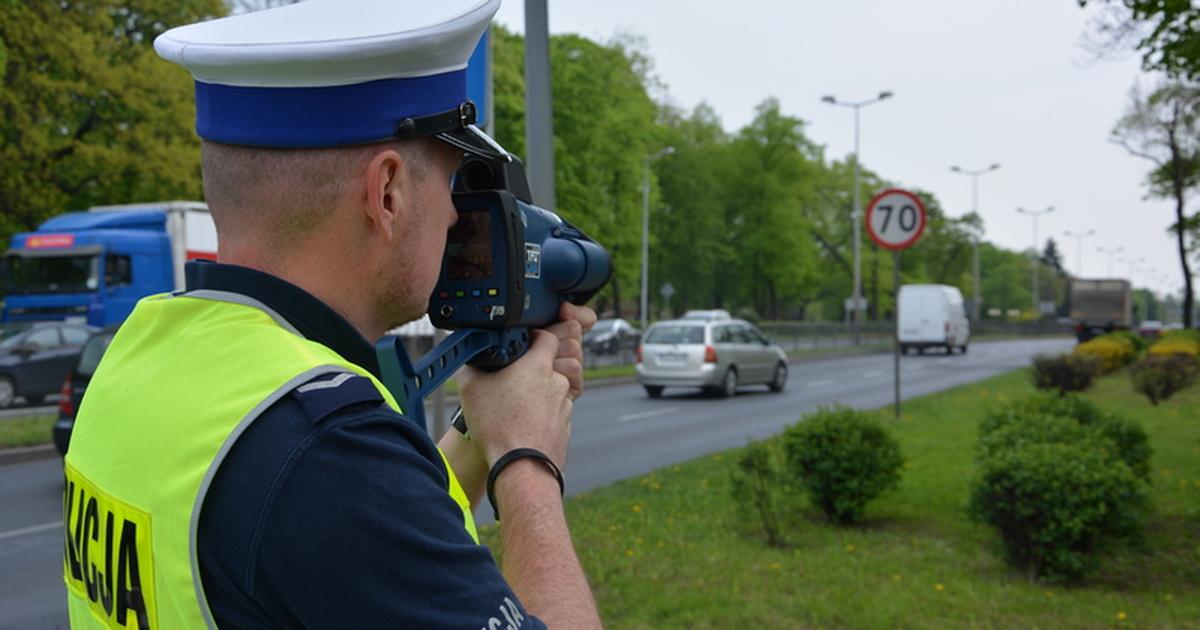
(26, 454)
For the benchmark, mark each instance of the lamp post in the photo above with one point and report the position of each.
(1035, 214)
(856, 317)
(539, 108)
(1109, 252)
(1133, 263)
(978, 297)
(645, 304)
(1079, 236)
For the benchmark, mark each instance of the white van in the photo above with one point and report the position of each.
(932, 316)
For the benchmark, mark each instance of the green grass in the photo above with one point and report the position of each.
(673, 550)
(25, 431)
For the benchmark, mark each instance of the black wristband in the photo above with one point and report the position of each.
(510, 457)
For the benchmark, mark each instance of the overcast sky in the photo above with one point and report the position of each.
(976, 82)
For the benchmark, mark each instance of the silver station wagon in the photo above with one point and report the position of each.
(717, 355)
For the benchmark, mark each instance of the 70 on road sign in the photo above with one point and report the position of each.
(895, 219)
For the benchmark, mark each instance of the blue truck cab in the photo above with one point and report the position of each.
(94, 266)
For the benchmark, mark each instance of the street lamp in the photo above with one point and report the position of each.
(1035, 214)
(1133, 264)
(646, 229)
(978, 298)
(1109, 251)
(1079, 236)
(856, 318)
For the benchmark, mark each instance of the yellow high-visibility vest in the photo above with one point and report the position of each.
(183, 378)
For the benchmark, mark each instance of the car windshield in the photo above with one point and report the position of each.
(10, 336)
(50, 274)
(676, 334)
(92, 351)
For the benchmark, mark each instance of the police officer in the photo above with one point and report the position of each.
(237, 462)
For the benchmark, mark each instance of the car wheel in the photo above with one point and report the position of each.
(8, 391)
(729, 384)
(781, 373)
(654, 391)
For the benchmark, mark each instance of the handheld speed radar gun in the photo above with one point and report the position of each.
(507, 268)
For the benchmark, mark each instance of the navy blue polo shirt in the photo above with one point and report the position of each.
(331, 510)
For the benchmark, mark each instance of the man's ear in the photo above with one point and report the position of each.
(389, 187)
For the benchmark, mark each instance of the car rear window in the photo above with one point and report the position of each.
(676, 334)
(92, 351)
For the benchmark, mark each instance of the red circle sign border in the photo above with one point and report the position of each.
(871, 209)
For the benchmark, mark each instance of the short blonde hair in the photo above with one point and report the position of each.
(285, 194)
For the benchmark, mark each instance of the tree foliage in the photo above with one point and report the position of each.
(1164, 31)
(88, 113)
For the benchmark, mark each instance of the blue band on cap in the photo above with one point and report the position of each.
(313, 117)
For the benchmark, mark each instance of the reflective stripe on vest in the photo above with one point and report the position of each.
(145, 448)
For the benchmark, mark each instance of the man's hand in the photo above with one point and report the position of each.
(573, 322)
(524, 405)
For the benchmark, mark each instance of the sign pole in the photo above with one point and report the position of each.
(895, 221)
(896, 316)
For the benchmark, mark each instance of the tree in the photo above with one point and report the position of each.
(604, 127)
(1165, 31)
(774, 170)
(689, 235)
(1164, 128)
(88, 113)
(1052, 257)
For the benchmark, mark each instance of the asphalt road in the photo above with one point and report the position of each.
(619, 432)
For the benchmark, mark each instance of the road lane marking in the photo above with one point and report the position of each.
(647, 414)
(13, 533)
(820, 383)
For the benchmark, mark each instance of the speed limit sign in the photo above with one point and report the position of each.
(895, 219)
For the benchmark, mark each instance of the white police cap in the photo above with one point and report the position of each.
(336, 72)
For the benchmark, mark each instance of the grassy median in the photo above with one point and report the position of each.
(673, 549)
(25, 430)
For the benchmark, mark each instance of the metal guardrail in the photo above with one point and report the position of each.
(828, 335)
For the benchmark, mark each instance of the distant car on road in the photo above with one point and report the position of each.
(610, 336)
(716, 355)
(932, 316)
(75, 384)
(1150, 329)
(35, 356)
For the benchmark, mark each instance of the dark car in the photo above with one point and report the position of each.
(610, 336)
(76, 384)
(34, 357)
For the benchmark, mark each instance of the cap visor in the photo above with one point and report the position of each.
(472, 140)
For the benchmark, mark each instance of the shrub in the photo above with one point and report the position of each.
(1055, 504)
(1064, 372)
(1185, 333)
(1138, 342)
(1178, 345)
(1030, 429)
(761, 487)
(1111, 354)
(843, 458)
(1160, 376)
(1128, 438)
(1178, 342)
